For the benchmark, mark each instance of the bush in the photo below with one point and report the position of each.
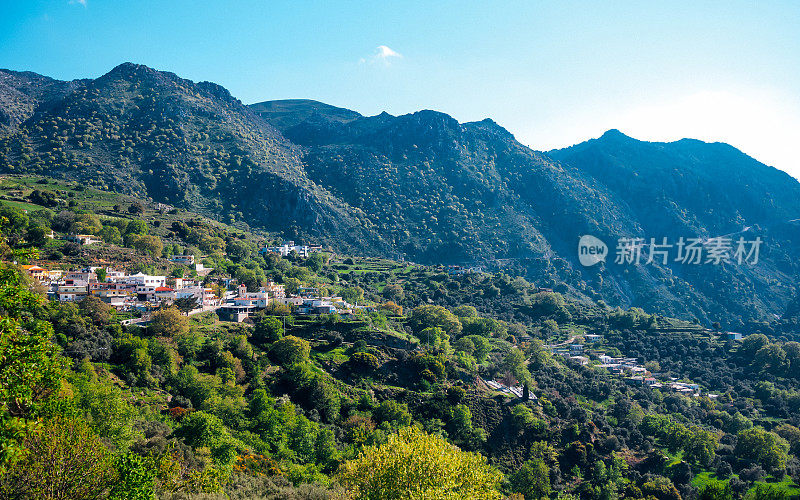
(290, 350)
(168, 322)
(364, 361)
(413, 464)
(65, 460)
(267, 330)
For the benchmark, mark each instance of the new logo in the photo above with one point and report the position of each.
(591, 250)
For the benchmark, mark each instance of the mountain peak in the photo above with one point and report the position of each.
(615, 134)
(492, 126)
(287, 113)
(128, 69)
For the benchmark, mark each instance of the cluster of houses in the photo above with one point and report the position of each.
(143, 292)
(460, 270)
(120, 290)
(243, 304)
(630, 368)
(573, 351)
(288, 247)
(638, 375)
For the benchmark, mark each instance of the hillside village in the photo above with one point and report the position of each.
(633, 371)
(143, 293)
(140, 294)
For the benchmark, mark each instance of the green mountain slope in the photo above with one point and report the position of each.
(420, 186)
(150, 133)
(689, 188)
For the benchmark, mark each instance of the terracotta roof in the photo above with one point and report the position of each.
(164, 289)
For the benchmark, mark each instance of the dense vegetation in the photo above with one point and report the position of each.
(387, 403)
(420, 187)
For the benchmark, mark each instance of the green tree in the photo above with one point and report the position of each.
(238, 250)
(414, 465)
(523, 417)
(290, 350)
(108, 413)
(136, 226)
(65, 460)
(186, 304)
(168, 322)
(147, 244)
(661, 488)
(482, 347)
(30, 368)
(514, 363)
(465, 311)
(532, 479)
(772, 359)
(549, 329)
(364, 361)
(203, 430)
(267, 329)
(101, 274)
(111, 234)
(700, 446)
(212, 244)
(766, 448)
(393, 412)
(767, 492)
(13, 224)
(461, 428)
(136, 208)
(435, 316)
(716, 491)
(792, 436)
(315, 261)
(485, 327)
(353, 294)
(86, 223)
(393, 292)
(247, 277)
(133, 353)
(136, 478)
(751, 344)
(435, 338)
(792, 350)
(37, 235)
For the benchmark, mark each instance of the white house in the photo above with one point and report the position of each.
(113, 276)
(147, 280)
(289, 247)
(83, 239)
(204, 296)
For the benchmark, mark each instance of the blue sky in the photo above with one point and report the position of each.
(553, 73)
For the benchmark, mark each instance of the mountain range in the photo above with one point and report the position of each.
(421, 186)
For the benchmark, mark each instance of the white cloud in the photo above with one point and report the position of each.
(78, 2)
(385, 52)
(382, 55)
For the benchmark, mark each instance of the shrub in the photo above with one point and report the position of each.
(416, 465)
(290, 350)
